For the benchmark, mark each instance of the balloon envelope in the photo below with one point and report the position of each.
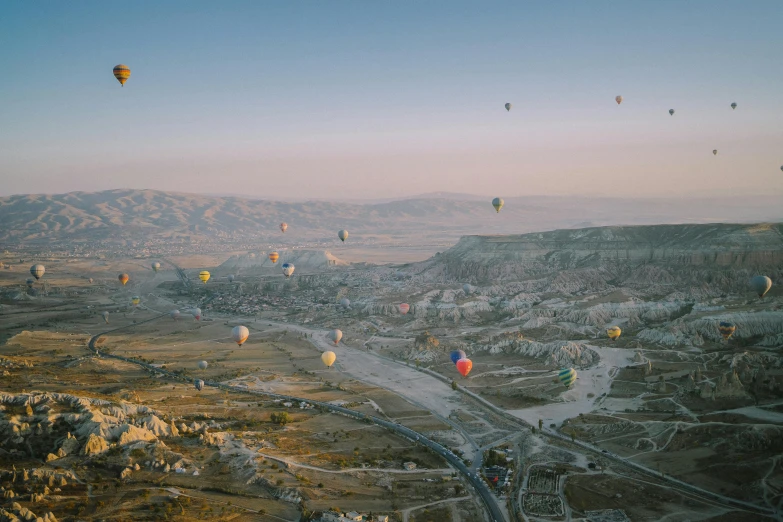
(123, 278)
(613, 332)
(174, 314)
(328, 358)
(761, 284)
(37, 271)
(567, 376)
(733, 106)
(498, 204)
(231, 278)
(618, 99)
(156, 266)
(106, 317)
(122, 73)
(456, 355)
(202, 365)
(135, 300)
(715, 152)
(404, 307)
(466, 288)
(288, 269)
(671, 112)
(335, 336)
(343, 235)
(203, 276)
(726, 329)
(508, 106)
(274, 256)
(345, 302)
(30, 282)
(464, 366)
(196, 313)
(283, 226)
(240, 334)
(199, 384)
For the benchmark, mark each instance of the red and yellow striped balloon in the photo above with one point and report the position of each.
(274, 256)
(122, 73)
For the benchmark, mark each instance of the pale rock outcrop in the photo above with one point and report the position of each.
(95, 444)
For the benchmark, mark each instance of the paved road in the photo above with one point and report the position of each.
(496, 515)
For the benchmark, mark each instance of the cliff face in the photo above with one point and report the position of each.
(569, 261)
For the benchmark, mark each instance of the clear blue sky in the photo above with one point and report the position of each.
(377, 99)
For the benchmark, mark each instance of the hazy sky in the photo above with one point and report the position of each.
(378, 99)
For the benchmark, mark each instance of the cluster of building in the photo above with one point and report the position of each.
(351, 516)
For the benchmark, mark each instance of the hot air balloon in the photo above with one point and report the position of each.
(671, 112)
(231, 278)
(464, 366)
(240, 334)
(345, 302)
(761, 285)
(106, 317)
(618, 99)
(122, 73)
(781, 167)
(466, 288)
(204, 276)
(715, 152)
(404, 307)
(283, 226)
(37, 271)
(498, 204)
(202, 365)
(335, 336)
(123, 278)
(508, 106)
(733, 106)
(174, 314)
(288, 269)
(274, 256)
(613, 332)
(155, 266)
(135, 300)
(456, 355)
(30, 282)
(90, 280)
(199, 384)
(328, 358)
(196, 313)
(567, 376)
(343, 235)
(726, 329)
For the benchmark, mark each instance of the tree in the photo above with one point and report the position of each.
(281, 418)
(453, 385)
(426, 341)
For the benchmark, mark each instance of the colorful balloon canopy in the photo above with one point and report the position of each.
(328, 358)
(288, 269)
(202, 365)
(122, 73)
(135, 300)
(155, 266)
(464, 366)
(196, 313)
(203, 276)
(498, 204)
(175, 314)
(37, 271)
(508, 106)
(467, 289)
(618, 99)
(106, 317)
(761, 285)
(123, 278)
(567, 376)
(283, 226)
(231, 278)
(199, 384)
(456, 355)
(613, 332)
(671, 112)
(240, 334)
(274, 256)
(335, 336)
(404, 307)
(726, 329)
(90, 280)
(343, 235)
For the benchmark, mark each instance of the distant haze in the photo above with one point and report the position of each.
(352, 100)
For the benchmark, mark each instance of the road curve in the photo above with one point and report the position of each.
(496, 515)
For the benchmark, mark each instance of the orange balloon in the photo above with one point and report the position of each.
(274, 256)
(464, 366)
(123, 278)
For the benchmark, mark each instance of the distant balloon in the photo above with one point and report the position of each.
(567, 376)
(156, 266)
(671, 112)
(781, 167)
(231, 278)
(726, 329)
(288, 269)
(498, 204)
(618, 99)
(122, 73)
(404, 307)
(613, 332)
(203, 276)
(196, 313)
(199, 384)
(30, 282)
(283, 226)
(335, 336)
(106, 317)
(328, 358)
(175, 314)
(456, 355)
(345, 302)
(37, 271)
(123, 278)
(202, 365)
(715, 152)
(466, 288)
(135, 300)
(733, 106)
(90, 280)
(508, 106)
(761, 285)
(240, 334)
(343, 235)
(464, 366)
(274, 256)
